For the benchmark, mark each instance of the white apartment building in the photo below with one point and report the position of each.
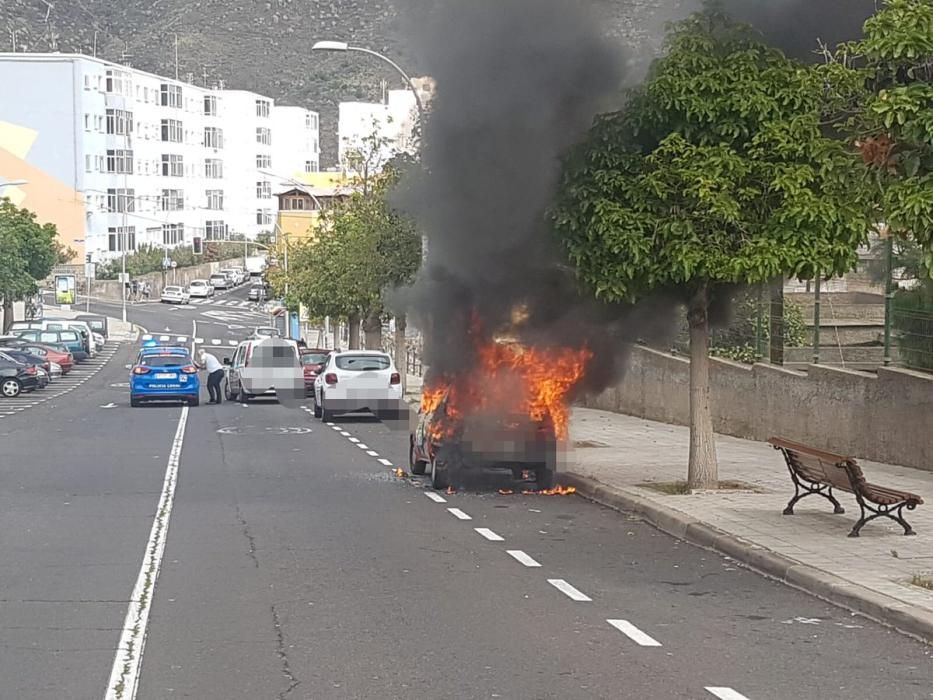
(302, 152)
(157, 161)
(376, 131)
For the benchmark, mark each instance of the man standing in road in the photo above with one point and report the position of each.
(215, 374)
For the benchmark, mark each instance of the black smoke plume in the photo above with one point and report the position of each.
(519, 82)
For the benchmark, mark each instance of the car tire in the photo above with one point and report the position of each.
(227, 395)
(194, 402)
(326, 416)
(440, 474)
(134, 403)
(317, 409)
(544, 478)
(417, 466)
(242, 396)
(11, 387)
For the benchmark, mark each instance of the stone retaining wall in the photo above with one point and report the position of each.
(885, 417)
(110, 289)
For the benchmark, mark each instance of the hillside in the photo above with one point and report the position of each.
(264, 45)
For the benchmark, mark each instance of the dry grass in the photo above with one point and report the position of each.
(922, 581)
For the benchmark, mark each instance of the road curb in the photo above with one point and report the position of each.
(823, 585)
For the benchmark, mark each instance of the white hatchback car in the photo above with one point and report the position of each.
(175, 295)
(357, 380)
(201, 289)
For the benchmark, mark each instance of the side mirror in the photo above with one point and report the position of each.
(129, 366)
(227, 361)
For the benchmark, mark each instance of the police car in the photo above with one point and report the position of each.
(164, 371)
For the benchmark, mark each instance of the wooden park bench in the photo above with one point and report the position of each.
(819, 472)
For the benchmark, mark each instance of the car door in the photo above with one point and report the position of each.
(234, 372)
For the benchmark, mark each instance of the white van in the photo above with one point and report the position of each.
(264, 367)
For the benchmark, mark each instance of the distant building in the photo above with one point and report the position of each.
(118, 158)
(301, 205)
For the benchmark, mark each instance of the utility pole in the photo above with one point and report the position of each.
(176, 57)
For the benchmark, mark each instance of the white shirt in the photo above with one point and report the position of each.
(210, 362)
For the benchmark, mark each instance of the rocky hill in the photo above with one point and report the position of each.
(264, 45)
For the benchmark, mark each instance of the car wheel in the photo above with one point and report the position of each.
(11, 388)
(242, 396)
(440, 474)
(326, 416)
(227, 394)
(417, 466)
(195, 401)
(544, 478)
(135, 403)
(317, 409)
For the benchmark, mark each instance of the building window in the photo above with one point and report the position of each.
(170, 95)
(264, 135)
(119, 161)
(98, 122)
(263, 162)
(118, 83)
(310, 166)
(172, 165)
(264, 217)
(121, 200)
(215, 199)
(213, 137)
(87, 122)
(263, 108)
(87, 82)
(119, 122)
(172, 131)
(88, 163)
(264, 190)
(210, 105)
(311, 121)
(213, 168)
(173, 234)
(121, 238)
(172, 200)
(215, 230)
(296, 204)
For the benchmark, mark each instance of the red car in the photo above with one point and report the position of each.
(312, 362)
(63, 358)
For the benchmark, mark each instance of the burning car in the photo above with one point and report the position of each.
(508, 411)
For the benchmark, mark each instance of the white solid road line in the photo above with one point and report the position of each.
(726, 693)
(436, 497)
(459, 514)
(569, 591)
(522, 558)
(124, 676)
(385, 462)
(489, 534)
(633, 633)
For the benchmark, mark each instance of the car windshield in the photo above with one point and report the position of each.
(363, 363)
(314, 358)
(198, 283)
(166, 360)
(172, 290)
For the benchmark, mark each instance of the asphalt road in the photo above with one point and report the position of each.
(262, 554)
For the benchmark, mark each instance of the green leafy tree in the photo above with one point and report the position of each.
(28, 252)
(720, 170)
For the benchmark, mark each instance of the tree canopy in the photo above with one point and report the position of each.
(28, 252)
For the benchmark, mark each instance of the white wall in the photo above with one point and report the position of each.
(392, 122)
(295, 142)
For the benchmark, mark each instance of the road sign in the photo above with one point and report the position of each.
(90, 271)
(125, 277)
(174, 264)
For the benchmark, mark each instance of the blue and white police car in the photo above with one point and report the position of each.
(164, 371)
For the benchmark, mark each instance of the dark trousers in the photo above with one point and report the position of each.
(213, 384)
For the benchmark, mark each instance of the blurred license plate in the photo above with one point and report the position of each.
(165, 375)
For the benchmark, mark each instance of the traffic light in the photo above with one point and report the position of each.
(198, 245)
(87, 258)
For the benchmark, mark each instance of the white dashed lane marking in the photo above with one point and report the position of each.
(633, 633)
(436, 497)
(569, 591)
(362, 446)
(372, 454)
(725, 693)
(385, 462)
(489, 534)
(522, 558)
(458, 514)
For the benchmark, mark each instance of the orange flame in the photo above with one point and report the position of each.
(556, 491)
(534, 382)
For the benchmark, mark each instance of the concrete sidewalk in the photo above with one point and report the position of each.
(116, 328)
(614, 455)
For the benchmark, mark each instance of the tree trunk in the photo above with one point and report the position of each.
(353, 324)
(7, 315)
(372, 327)
(336, 333)
(401, 350)
(703, 468)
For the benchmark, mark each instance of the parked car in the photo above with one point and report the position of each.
(265, 332)
(16, 378)
(87, 335)
(99, 341)
(55, 371)
(175, 295)
(69, 339)
(257, 291)
(357, 380)
(54, 354)
(164, 374)
(263, 367)
(312, 362)
(446, 448)
(201, 289)
(98, 324)
(233, 275)
(219, 281)
(27, 358)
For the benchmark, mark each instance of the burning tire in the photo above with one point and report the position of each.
(417, 466)
(544, 478)
(445, 465)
